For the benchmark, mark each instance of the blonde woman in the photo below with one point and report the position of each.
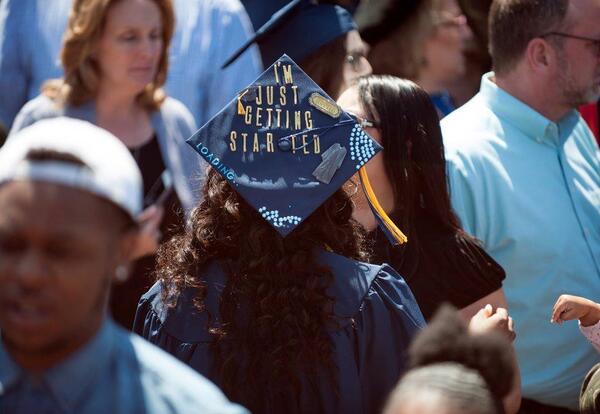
(115, 61)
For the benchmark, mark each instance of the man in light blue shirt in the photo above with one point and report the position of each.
(69, 192)
(207, 32)
(524, 172)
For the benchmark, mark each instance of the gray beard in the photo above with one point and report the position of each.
(572, 94)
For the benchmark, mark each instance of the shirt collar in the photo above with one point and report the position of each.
(69, 379)
(9, 371)
(522, 116)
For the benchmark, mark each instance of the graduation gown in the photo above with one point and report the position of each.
(378, 317)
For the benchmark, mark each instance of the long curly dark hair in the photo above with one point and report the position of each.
(271, 338)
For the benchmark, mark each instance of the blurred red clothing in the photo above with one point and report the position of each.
(590, 114)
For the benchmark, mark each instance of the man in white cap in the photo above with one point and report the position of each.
(69, 192)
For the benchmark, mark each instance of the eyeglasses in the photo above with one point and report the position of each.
(364, 122)
(595, 42)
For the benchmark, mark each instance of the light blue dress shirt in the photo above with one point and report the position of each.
(529, 189)
(207, 32)
(117, 373)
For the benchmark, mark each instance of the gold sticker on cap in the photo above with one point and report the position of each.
(324, 105)
(240, 106)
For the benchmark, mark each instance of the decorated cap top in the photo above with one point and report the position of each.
(284, 145)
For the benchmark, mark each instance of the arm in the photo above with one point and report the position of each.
(569, 307)
(187, 168)
(486, 320)
(592, 333)
(512, 402)
(35, 110)
(24, 118)
(497, 299)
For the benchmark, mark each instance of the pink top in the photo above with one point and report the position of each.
(592, 333)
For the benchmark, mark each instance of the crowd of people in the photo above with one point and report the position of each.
(299, 206)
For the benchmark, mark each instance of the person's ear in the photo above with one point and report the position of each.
(93, 49)
(540, 55)
(128, 245)
(125, 254)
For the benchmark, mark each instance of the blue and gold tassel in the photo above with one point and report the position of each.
(392, 232)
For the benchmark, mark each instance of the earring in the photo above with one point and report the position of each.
(121, 273)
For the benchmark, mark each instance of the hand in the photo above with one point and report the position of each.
(569, 307)
(486, 320)
(149, 234)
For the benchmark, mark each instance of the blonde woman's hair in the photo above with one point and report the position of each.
(79, 85)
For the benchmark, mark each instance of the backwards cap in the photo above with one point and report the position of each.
(110, 172)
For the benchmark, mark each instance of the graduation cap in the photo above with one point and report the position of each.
(285, 146)
(297, 29)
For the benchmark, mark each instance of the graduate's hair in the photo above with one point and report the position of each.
(79, 85)
(415, 164)
(271, 342)
(466, 373)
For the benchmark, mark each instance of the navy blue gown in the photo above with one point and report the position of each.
(378, 318)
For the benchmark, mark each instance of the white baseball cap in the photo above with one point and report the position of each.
(110, 171)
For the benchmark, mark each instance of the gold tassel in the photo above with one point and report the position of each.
(389, 224)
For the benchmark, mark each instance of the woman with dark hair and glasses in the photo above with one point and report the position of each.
(440, 262)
